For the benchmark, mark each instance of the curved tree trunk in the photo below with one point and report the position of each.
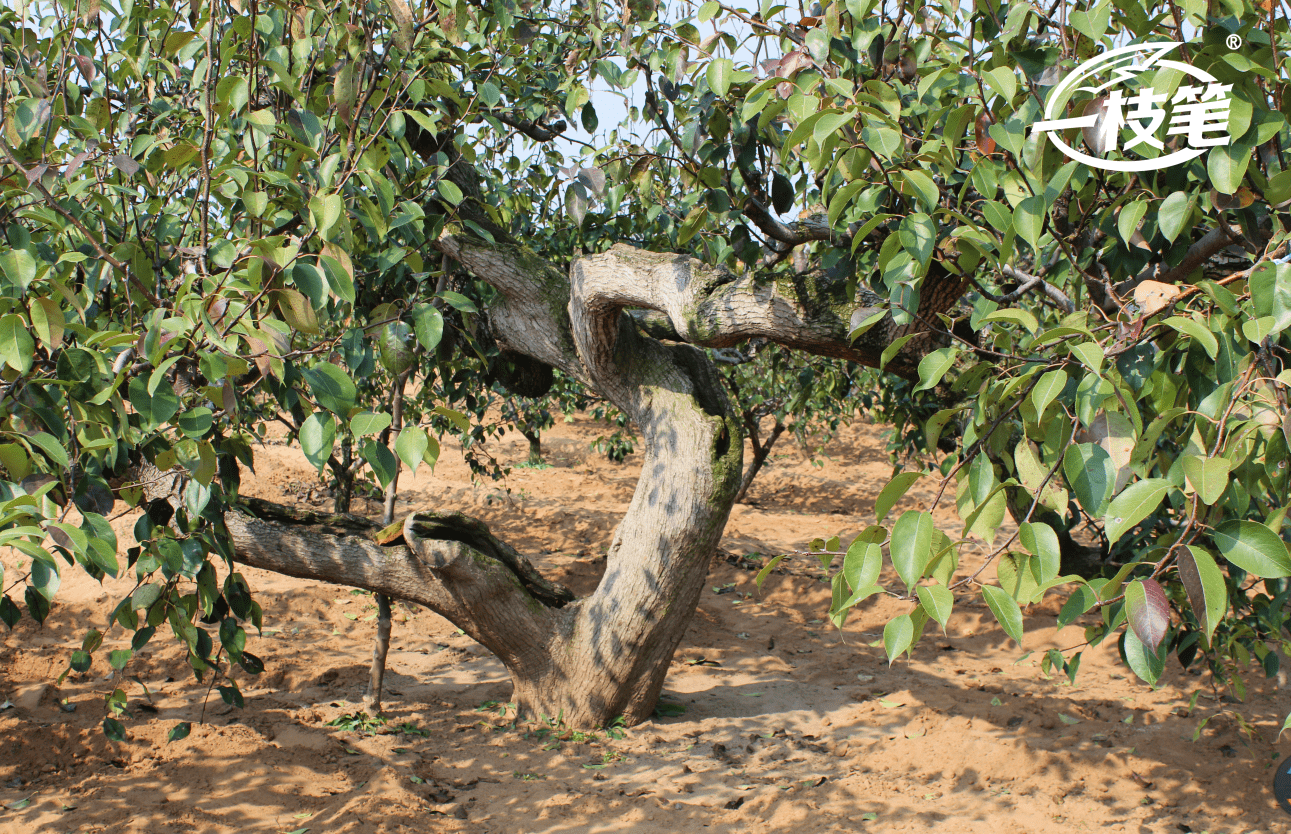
(605, 656)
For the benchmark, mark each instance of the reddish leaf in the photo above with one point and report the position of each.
(125, 164)
(1148, 611)
(75, 163)
(86, 65)
(906, 67)
(1101, 136)
(981, 132)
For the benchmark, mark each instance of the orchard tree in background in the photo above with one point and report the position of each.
(215, 214)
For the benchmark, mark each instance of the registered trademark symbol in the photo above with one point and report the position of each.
(1234, 41)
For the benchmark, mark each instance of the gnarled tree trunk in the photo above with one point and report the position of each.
(596, 659)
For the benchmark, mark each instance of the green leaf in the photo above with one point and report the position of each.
(340, 279)
(118, 658)
(1144, 662)
(998, 215)
(1254, 548)
(1028, 219)
(155, 408)
(719, 75)
(936, 423)
(892, 492)
(1019, 575)
(19, 268)
(330, 209)
(829, 123)
(818, 44)
(368, 422)
(1091, 474)
(1208, 476)
(894, 348)
(459, 302)
(691, 226)
(924, 188)
(332, 388)
(16, 345)
(1003, 81)
(1270, 286)
(862, 564)
(862, 325)
(450, 192)
(1090, 355)
(1227, 167)
(317, 437)
(145, 595)
(114, 729)
(196, 422)
(937, 601)
(179, 732)
(1092, 23)
(1207, 591)
(1022, 317)
(1005, 609)
(1137, 502)
(411, 446)
(428, 323)
(882, 140)
(1198, 331)
(1081, 600)
(1174, 214)
(298, 312)
(766, 570)
(933, 367)
(1127, 221)
(911, 546)
(382, 461)
(1047, 390)
(1040, 539)
(898, 634)
(842, 199)
(53, 450)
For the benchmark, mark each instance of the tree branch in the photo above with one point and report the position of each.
(1197, 254)
(1029, 282)
(448, 563)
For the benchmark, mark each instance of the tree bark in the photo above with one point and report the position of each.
(605, 656)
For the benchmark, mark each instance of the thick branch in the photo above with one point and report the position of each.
(477, 588)
(1197, 254)
(710, 307)
(805, 230)
(534, 130)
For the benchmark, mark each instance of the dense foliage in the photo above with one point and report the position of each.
(217, 215)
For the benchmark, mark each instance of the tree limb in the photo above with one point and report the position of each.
(1029, 282)
(448, 563)
(1197, 254)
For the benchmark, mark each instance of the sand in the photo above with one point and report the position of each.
(781, 722)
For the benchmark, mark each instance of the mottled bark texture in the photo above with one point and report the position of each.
(593, 660)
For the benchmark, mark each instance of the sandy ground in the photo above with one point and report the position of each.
(788, 724)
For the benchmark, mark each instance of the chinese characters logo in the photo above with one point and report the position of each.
(1198, 112)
